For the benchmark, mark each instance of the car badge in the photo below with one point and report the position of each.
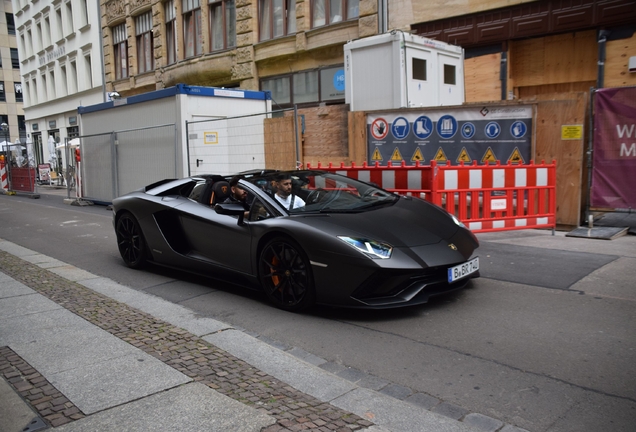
(452, 246)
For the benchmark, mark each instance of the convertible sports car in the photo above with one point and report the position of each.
(345, 242)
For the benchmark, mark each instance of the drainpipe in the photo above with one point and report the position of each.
(602, 38)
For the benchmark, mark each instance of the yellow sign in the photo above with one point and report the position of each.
(571, 132)
(210, 137)
(516, 157)
(396, 156)
(464, 156)
(376, 155)
(489, 156)
(417, 156)
(440, 156)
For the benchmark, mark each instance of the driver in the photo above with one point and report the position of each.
(284, 193)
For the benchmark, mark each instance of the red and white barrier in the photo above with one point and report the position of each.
(5, 177)
(484, 197)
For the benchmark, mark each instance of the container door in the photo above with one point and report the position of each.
(451, 80)
(421, 74)
(208, 147)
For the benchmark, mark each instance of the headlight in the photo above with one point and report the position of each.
(458, 222)
(371, 248)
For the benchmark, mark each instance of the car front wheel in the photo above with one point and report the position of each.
(285, 275)
(130, 241)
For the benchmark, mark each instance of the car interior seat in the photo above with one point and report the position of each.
(220, 192)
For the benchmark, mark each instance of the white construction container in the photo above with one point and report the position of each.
(402, 70)
(170, 133)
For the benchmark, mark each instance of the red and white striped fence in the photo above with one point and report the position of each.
(484, 197)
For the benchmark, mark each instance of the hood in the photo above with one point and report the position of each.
(409, 222)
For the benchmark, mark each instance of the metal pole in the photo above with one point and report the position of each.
(298, 161)
(187, 146)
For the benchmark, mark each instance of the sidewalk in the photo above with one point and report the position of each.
(80, 352)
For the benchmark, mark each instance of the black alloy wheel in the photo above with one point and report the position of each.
(130, 241)
(285, 275)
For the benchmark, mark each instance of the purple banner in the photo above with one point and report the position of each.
(614, 169)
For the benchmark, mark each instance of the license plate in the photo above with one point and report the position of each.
(461, 271)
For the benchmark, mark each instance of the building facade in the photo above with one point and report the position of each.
(514, 49)
(11, 95)
(60, 63)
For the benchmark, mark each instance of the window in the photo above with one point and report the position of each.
(29, 43)
(88, 71)
(34, 91)
(72, 77)
(38, 38)
(143, 29)
(324, 12)
(69, 18)
(15, 61)
(120, 47)
(59, 32)
(449, 74)
(84, 16)
(276, 18)
(10, 23)
(17, 87)
(192, 27)
(63, 83)
(51, 84)
(222, 24)
(45, 88)
(307, 87)
(419, 69)
(46, 32)
(3, 97)
(22, 127)
(171, 31)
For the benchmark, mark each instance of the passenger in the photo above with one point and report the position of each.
(284, 193)
(238, 195)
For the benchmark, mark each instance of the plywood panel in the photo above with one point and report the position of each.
(552, 91)
(280, 143)
(569, 154)
(617, 55)
(326, 131)
(357, 137)
(481, 78)
(566, 58)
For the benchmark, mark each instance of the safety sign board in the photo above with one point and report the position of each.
(572, 132)
(485, 134)
(210, 137)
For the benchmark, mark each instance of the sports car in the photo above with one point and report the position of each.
(344, 242)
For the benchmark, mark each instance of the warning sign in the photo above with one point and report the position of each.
(489, 156)
(464, 156)
(210, 137)
(379, 128)
(440, 156)
(516, 157)
(376, 155)
(417, 156)
(571, 132)
(396, 156)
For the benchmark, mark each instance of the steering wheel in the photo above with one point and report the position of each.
(314, 196)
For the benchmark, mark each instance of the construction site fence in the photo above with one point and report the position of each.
(485, 198)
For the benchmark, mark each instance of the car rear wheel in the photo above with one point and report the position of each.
(130, 241)
(285, 275)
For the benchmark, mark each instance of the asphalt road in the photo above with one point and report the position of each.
(545, 340)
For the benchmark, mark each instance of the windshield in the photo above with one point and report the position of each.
(321, 192)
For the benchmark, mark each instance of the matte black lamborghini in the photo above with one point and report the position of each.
(345, 242)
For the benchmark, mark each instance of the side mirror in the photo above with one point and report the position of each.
(231, 210)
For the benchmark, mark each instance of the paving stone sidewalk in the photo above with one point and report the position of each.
(185, 352)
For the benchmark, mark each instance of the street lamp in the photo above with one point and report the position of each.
(7, 161)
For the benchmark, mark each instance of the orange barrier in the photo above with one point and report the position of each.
(484, 197)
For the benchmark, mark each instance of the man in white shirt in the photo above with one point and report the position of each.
(284, 193)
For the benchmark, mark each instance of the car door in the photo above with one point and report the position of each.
(217, 239)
